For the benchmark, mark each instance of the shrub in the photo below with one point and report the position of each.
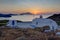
(42, 29)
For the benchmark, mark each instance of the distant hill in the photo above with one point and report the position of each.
(27, 13)
(12, 14)
(5, 15)
(55, 17)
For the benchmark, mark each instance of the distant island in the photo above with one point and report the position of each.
(27, 13)
(6, 15)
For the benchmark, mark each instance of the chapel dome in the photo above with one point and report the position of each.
(40, 22)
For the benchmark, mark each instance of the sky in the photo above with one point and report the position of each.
(33, 6)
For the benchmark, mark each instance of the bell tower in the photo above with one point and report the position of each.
(41, 16)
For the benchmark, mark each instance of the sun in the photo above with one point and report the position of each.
(34, 11)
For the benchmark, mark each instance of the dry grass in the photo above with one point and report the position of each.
(26, 34)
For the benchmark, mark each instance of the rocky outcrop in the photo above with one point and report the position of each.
(55, 17)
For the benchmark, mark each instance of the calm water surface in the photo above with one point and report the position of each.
(24, 17)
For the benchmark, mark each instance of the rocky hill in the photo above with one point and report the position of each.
(55, 17)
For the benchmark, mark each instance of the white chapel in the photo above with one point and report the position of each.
(37, 22)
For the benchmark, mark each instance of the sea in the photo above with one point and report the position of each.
(23, 17)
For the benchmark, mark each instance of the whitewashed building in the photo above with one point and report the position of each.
(37, 22)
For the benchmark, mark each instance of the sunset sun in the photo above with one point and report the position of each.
(34, 11)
